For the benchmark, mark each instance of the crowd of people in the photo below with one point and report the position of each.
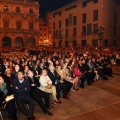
(45, 75)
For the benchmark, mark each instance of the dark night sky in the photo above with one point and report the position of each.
(49, 5)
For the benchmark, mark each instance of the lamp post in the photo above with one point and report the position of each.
(100, 33)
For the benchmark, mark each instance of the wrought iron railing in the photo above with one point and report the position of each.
(23, 1)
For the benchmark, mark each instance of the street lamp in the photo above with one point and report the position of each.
(100, 33)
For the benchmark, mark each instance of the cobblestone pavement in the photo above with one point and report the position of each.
(101, 101)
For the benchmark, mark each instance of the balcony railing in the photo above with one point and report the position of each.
(13, 0)
(18, 30)
(22, 1)
(30, 1)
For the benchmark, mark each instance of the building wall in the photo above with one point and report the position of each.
(43, 28)
(49, 24)
(25, 35)
(106, 10)
(118, 25)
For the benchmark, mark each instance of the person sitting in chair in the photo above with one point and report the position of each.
(21, 88)
(9, 104)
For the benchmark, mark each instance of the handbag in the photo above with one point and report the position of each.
(7, 99)
(49, 86)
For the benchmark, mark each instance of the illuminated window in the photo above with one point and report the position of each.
(5, 8)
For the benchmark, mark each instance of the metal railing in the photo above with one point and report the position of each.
(22, 1)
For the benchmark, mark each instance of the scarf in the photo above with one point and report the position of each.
(3, 88)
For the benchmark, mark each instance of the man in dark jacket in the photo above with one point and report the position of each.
(55, 77)
(21, 92)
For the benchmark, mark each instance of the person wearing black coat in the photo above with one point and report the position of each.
(55, 77)
(39, 95)
(9, 77)
(10, 105)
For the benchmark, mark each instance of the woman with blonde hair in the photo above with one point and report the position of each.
(68, 74)
(47, 86)
(9, 77)
(63, 76)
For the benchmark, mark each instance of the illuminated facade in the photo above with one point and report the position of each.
(43, 28)
(19, 23)
(49, 24)
(76, 24)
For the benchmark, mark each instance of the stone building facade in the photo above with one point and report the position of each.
(43, 28)
(19, 23)
(77, 23)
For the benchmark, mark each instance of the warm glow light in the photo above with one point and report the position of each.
(46, 41)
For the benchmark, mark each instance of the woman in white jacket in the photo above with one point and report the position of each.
(47, 86)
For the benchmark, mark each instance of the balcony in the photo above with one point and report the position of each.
(11, 0)
(21, 1)
(30, 1)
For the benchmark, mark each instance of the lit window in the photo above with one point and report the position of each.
(5, 8)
